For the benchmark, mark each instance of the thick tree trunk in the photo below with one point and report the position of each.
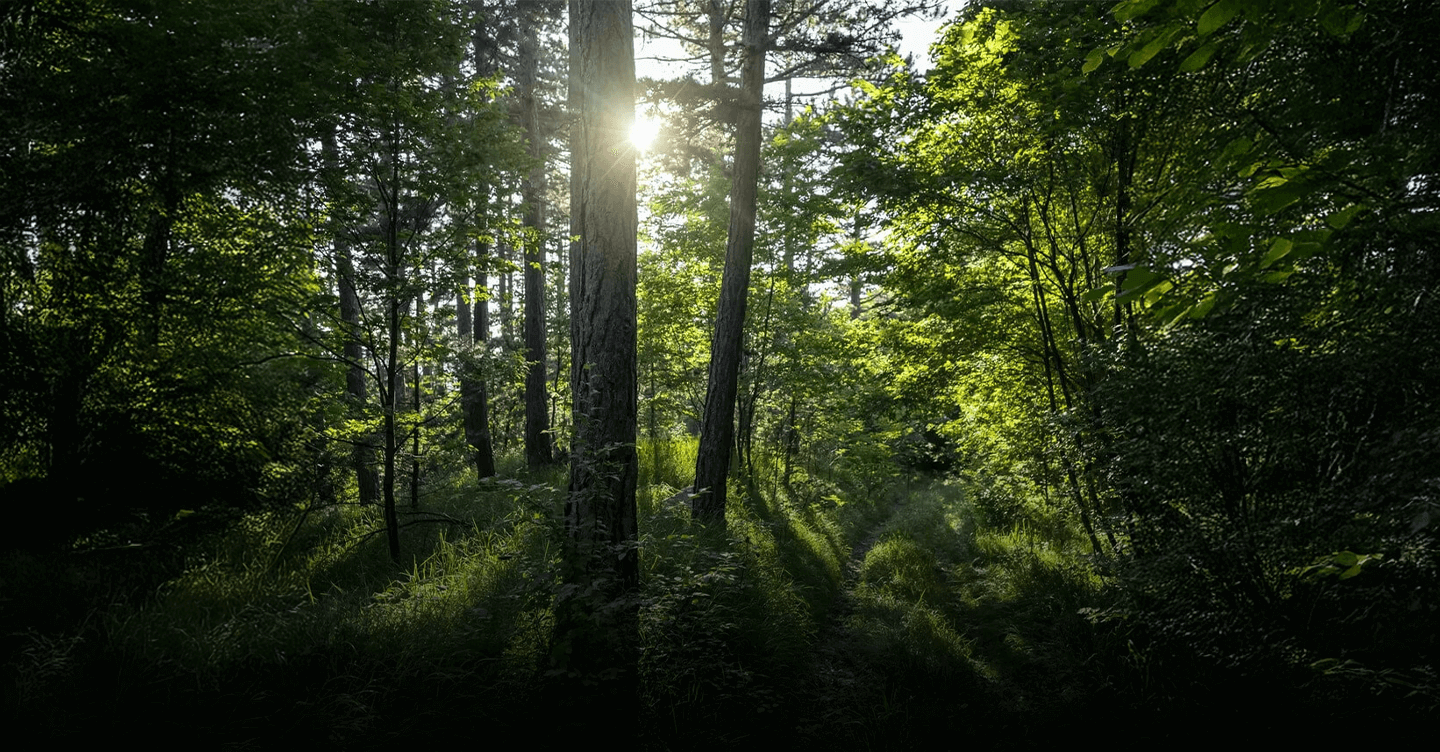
(597, 617)
(538, 449)
(717, 429)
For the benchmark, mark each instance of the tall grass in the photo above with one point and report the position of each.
(298, 625)
(301, 621)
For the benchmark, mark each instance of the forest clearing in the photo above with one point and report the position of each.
(704, 374)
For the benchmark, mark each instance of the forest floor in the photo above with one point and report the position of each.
(891, 621)
(922, 645)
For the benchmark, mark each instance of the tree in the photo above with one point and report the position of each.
(421, 147)
(717, 428)
(1202, 294)
(596, 611)
(155, 266)
(367, 476)
(807, 34)
(539, 450)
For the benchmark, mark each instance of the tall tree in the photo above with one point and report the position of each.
(151, 254)
(474, 334)
(424, 147)
(367, 476)
(538, 447)
(717, 429)
(596, 612)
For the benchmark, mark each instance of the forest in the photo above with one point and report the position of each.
(701, 374)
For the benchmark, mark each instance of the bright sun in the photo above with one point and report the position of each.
(643, 132)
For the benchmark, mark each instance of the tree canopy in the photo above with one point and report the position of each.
(1085, 372)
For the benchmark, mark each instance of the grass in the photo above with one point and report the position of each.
(825, 617)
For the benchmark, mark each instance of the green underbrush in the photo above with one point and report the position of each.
(961, 629)
(295, 623)
(833, 611)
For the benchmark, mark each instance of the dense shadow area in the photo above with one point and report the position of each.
(892, 621)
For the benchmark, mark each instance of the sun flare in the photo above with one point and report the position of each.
(643, 132)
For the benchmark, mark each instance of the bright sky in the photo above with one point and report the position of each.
(916, 37)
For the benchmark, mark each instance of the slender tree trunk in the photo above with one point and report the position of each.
(506, 300)
(390, 397)
(597, 616)
(367, 478)
(538, 449)
(156, 252)
(395, 304)
(415, 408)
(1125, 178)
(717, 429)
(1050, 351)
(474, 399)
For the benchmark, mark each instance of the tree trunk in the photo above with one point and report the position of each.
(597, 617)
(362, 459)
(717, 429)
(474, 399)
(394, 305)
(415, 408)
(538, 450)
(505, 299)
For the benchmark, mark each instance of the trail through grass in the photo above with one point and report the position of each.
(828, 616)
(945, 628)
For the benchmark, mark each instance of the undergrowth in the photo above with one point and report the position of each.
(820, 615)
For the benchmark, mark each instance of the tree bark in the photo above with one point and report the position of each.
(597, 617)
(415, 402)
(474, 399)
(538, 449)
(395, 304)
(717, 429)
(362, 459)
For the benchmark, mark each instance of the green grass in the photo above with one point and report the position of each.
(818, 614)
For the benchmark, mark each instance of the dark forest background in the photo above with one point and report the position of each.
(1083, 377)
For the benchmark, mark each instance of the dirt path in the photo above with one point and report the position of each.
(841, 674)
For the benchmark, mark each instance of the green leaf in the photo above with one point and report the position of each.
(1333, 22)
(1157, 291)
(1143, 55)
(1355, 21)
(1236, 148)
(1139, 280)
(1128, 9)
(1341, 218)
(1346, 558)
(1098, 294)
(1304, 250)
(1197, 59)
(1216, 16)
(1279, 194)
(1342, 21)
(1093, 60)
(1351, 572)
(1279, 248)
